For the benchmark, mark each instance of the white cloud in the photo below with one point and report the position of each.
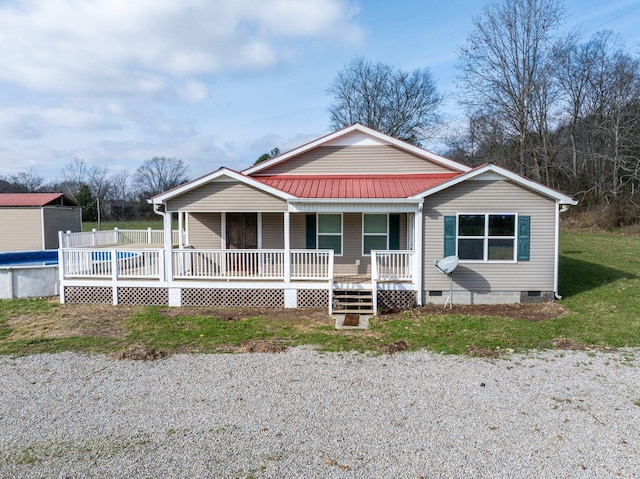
(32, 122)
(137, 46)
(193, 91)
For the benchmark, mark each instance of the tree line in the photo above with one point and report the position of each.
(102, 194)
(562, 109)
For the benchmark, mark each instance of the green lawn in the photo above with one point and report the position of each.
(599, 279)
(123, 225)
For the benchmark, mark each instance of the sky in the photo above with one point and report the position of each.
(214, 83)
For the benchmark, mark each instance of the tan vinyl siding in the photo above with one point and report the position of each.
(21, 229)
(351, 242)
(403, 231)
(537, 274)
(297, 229)
(355, 160)
(272, 230)
(205, 230)
(226, 196)
(57, 219)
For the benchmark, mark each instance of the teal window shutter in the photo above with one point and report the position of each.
(311, 232)
(449, 236)
(524, 237)
(394, 232)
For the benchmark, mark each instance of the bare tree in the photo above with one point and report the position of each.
(119, 193)
(503, 68)
(159, 174)
(399, 103)
(73, 176)
(27, 181)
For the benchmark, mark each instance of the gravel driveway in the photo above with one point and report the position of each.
(307, 414)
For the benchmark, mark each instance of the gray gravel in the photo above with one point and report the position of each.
(308, 414)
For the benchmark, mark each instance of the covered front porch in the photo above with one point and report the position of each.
(132, 267)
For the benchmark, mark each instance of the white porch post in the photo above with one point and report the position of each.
(287, 248)
(61, 265)
(180, 226)
(418, 252)
(556, 252)
(168, 243)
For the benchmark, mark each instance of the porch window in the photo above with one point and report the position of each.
(375, 233)
(330, 232)
(487, 237)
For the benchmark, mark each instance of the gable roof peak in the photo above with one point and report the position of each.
(375, 135)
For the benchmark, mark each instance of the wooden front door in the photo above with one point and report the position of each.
(242, 230)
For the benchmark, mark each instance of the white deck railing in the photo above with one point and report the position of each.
(252, 264)
(112, 263)
(228, 264)
(392, 265)
(311, 264)
(115, 237)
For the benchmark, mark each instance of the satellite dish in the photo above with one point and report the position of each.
(448, 264)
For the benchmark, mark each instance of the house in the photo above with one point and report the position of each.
(31, 221)
(354, 220)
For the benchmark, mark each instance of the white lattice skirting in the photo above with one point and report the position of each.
(233, 298)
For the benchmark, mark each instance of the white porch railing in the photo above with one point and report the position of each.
(114, 237)
(392, 265)
(202, 264)
(311, 264)
(112, 263)
(252, 264)
(228, 264)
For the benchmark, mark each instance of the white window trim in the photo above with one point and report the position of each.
(341, 234)
(486, 238)
(374, 234)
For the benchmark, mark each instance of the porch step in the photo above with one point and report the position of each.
(353, 301)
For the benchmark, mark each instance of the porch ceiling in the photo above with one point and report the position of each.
(352, 186)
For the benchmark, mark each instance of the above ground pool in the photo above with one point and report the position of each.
(28, 274)
(29, 258)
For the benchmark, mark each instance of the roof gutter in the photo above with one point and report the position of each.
(357, 200)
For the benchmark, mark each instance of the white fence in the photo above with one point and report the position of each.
(228, 264)
(392, 265)
(115, 237)
(112, 263)
(197, 264)
(252, 264)
(311, 264)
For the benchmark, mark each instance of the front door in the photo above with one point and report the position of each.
(242, 230)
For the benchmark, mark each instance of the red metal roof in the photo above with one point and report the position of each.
(355, 186)
(32, 199)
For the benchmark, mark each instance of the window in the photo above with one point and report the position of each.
(487, 237)
(375, 233)
(330, 232)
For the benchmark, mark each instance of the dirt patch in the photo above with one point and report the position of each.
(478, 352)
(395, 347)
(530, 312)
(220, 314)
(102, 321)
(141, 352)
(262, 346)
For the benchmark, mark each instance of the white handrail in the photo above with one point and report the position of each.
(263, 264)
(111, 263)
(114, 237)
(392, 265)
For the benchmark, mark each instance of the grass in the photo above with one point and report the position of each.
(599, 278)
(123, 225)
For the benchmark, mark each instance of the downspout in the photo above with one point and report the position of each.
(159, 209)
(560, 208)
(418, 248)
